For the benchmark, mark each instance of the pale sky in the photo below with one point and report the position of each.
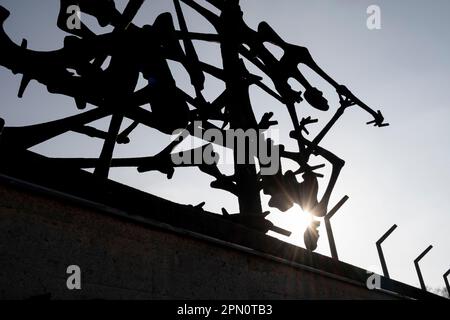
(395, 175)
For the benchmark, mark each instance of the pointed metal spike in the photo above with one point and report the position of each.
(81, 104)
(419, 272)
(23, 85)
(265, 213)
(2, 125)
(24, 44)
(200, 205)
(25, 79)
(447, 284)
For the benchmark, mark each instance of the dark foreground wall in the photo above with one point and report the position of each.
(40, 237)
(131, 245)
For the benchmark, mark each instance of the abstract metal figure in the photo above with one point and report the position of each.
(76, 71)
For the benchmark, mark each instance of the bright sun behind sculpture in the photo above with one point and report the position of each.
(80, 69)
(294, 220)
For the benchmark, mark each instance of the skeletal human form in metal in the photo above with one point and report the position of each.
(76, 71)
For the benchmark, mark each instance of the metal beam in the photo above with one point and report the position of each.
(447, 284)
(327, 218)
(380, 250)
(2, 125)
(416, 264)
(104, 162)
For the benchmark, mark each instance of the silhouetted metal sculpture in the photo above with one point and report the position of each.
(76, 71)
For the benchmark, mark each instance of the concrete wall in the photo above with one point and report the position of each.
(41, 236)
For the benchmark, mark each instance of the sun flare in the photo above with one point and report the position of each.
(294, 220)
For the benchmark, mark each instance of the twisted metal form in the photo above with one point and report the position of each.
(76, 71)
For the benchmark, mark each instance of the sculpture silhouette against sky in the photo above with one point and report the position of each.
(76, 71)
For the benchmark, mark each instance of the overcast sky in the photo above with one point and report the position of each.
(399, 174)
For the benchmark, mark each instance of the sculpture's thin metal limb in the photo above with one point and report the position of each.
(91, 132)
(239, 108)
(197, 131)
(131, 10)
(123, 23)
(327, 218)
(160, 162)
(193, 62)
(206, 111)
(212, 70)
(338, 114)
(217, 3)
(222, 181)
(265, 88)
(48, 68)
(210, 16)
(122, 138)
(29, 136)
(320, 209)
(337, 164)
(104, 161)
(208, 37)
(106, 155)
(292, 57)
